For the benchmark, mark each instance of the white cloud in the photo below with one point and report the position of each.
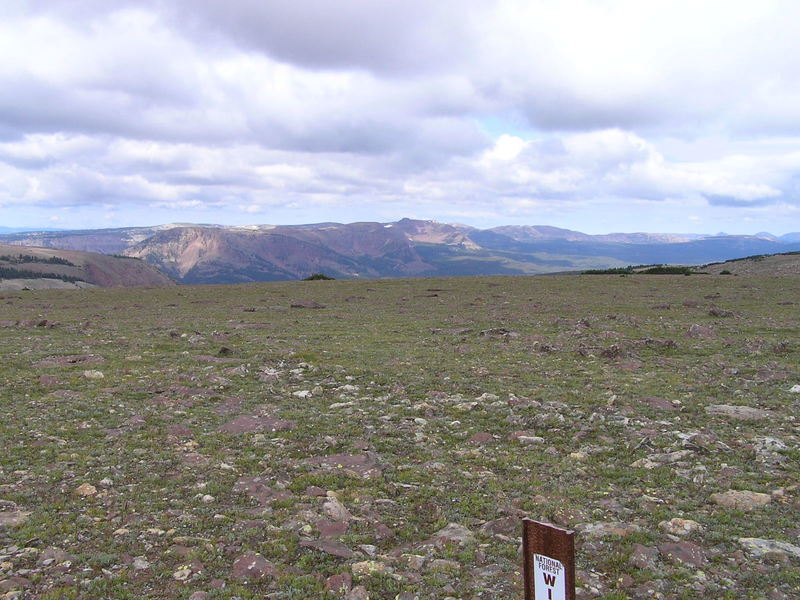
(377, 107)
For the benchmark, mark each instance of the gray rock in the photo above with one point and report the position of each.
(11, 515)
(454, 532)
(737, 412)
(758, 547)
(600, 530)
(741, 499)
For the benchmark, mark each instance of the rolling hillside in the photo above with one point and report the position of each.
(37, 268)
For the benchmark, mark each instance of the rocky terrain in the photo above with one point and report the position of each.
(406, 248)
(383, 439)
(38, 268)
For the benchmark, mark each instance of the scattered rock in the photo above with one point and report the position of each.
(741, 499)
(453, 533)
(360, 465)
(252, 565)
(678, 526)
(684, 553)
(508, 526)
(339, 584)
(258, 490)
(499, 332)
(86, 489)
(737, 412)
(336, 510)
(601, 530)
(643, 557)
(92, 374)
(701, 332)
(483, 437)
(658, 460)
(261, 423)
(357, 593)
(367, 568)
(659, 403)
(759, 548)
(331, 529)
(11, 515)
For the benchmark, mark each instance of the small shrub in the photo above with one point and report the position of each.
(319, 277)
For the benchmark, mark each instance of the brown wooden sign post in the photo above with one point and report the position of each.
(548, 561)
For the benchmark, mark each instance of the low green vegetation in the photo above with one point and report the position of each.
(14, 273)
(646, 270)
(389, 435)
(27, 258)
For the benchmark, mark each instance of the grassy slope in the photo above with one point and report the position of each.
(773, 264)
(401, 342)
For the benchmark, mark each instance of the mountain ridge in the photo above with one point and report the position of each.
(191, 253)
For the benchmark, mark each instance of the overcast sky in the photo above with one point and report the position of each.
(595, 115)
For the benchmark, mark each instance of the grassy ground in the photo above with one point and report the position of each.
(597, 372)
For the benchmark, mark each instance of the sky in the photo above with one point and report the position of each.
(595, 115)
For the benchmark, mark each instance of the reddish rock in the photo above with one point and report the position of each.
(684, 553)
(331, 529)
(483, 437)
(659, 403)
(250, 423)
(180, 431)
(568, 517)
(14, 583)
(178, 550)
(508, 526)
(339, 584)
(252, 565)
(258, 490)
(383, 532)
(643, 557)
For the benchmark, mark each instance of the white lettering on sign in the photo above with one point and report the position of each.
(549, 578)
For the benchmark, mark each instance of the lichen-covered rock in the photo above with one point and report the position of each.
(741, 499)
(758, 547)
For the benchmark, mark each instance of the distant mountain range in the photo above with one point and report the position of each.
(407, 248)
